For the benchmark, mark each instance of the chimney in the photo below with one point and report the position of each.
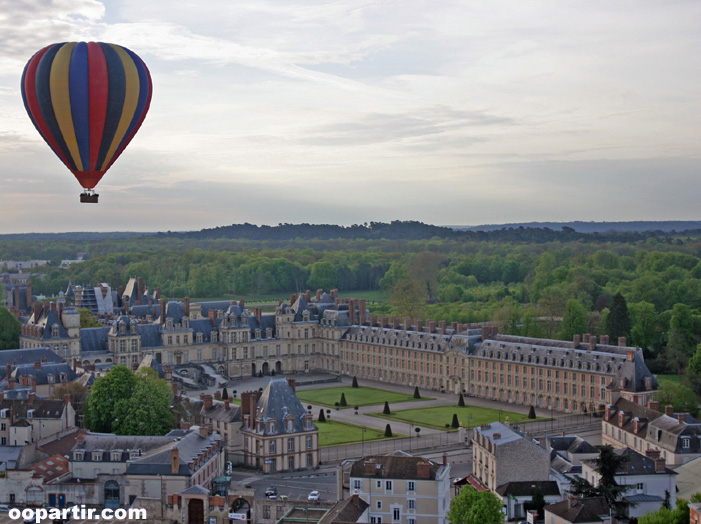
(293, 299)
(319, 292)
(669, 410)
(607, 416)
(431, 326)
(37, 364)
(308, 296)
(592, 342)
(630, 355)
(259, 316)
(622, 342)
(652, 453)
(217, 395)
(636, 425)
(351, 311)
(203, 431)
(407, 323)
(32, 395)
(362, 312)
(576, 340)
(496, 436)
(441, 326)
(292, 383)
(383, 321)
(162, 307)
(395, 322)
(334, 293)
(184, 425)
(8, 371)
(419, 324)
(604, 340)
(356, 499)
(207, 401)
(454, 326)
(17, 295)
(585, 338)
(659, 465)
(140, 290)
(174, 460)
(187, 307)
(227, 404)
(212, 314)
(653, 404)
(79, 439)
(373, 320)
(681, 417)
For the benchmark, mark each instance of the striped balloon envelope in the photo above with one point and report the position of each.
(87, 100)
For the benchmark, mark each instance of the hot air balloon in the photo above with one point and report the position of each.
(87, 100)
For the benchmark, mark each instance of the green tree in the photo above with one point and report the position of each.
(147, 411)
(692, 379)
(644, 325)
(681, 397)
(87, 319)
(10, 328)
(574, 320)
(408, 299)
(618, 320)
(107, 396)
(475, 507)
(678, 515)
(681, 340)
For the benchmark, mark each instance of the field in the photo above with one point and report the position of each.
(361, 396)
(438, 417)
(334, 433)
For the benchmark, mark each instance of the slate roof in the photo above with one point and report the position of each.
(94, 340)
(688, 478)
(638, 464)
(25, 356)
(421, 340)
(507, 435)
(549, 488)
(43, 408)
(655, 427)
(9, 456)
(277, 402)
(63, 445)
(189, 443)
(219, 411)
(580, 510)
(571, 445)
(42, 375)
(150, 335)
(394, 466)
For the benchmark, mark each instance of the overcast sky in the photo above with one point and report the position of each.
(347, 111)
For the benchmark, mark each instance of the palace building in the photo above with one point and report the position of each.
(323, 332)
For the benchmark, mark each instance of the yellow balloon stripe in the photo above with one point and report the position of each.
(131, 100)
(61, 100)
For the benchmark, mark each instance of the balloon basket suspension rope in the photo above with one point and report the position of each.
(89, 197)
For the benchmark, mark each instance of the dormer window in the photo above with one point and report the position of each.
(290, 425)
(121, 327)
(169, 323)
(3, 413)
(214, 336)
(133, 327)
(116, 456)
(198, 338)
(78, 456)
(30, 413)
(271, 427)
(96, 456)
(51, 378)
(54, 331)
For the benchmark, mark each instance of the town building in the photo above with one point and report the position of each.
(401, 488)
(647, 476)
(676, 436)
(278, 433)
(578, 511)
(498, 456)
(30, 420)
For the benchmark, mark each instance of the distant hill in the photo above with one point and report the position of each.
(595, 227)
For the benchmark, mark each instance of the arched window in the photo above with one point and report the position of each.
(111, 494)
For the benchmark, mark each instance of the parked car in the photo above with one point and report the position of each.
(314, 495)
(4, 508)
(31, 519)
(283, 497)
(271, 491)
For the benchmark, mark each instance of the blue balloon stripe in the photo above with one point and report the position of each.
(43, 94)
(115, 101)
(79, 95)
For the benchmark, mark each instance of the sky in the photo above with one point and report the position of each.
(350, 111)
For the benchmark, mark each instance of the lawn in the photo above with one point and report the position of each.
(334, 433)
(438, 417)
(360, 396)
(669, 378)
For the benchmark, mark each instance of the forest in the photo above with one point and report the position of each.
(533, 282)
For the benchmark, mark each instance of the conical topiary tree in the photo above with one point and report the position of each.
(322, 417)
(454, 423)
(461, 401)
(355, 382)
(386, 411)
(531, 412)
(224, 394)
(343, 400)
(388, 431)
(416, 392)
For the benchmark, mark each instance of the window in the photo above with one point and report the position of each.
(686, 442)
(411, 504)
(309, 442)
(290, 444)
(272, 447)
(378, 484)
(379, 504)
(310, 460)
(266, 511)
(388, 485)
(396, 514)
(411, 485)
(357, 484)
